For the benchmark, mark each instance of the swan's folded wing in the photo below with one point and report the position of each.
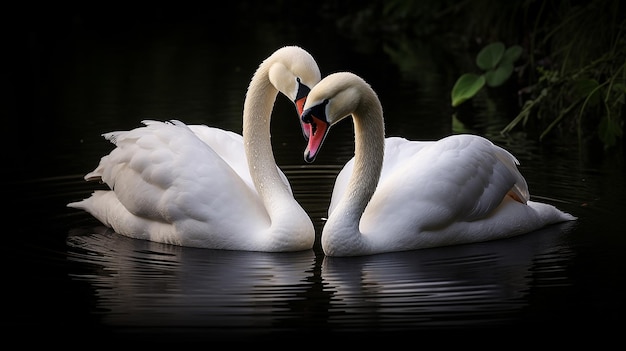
(164, 172)
(459, 178)
(479, 174)
(229, 146)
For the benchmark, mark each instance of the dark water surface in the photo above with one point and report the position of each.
(65, 272)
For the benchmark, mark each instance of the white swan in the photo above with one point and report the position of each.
(205, 187)
(397, 195)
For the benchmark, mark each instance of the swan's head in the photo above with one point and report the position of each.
(293, 72)
(334, 98)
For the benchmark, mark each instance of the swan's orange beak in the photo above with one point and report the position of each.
(318, 129)
(306, 128)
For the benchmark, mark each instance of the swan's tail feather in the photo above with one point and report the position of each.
(93, 176)
(87, 203)
(550, 214)
(79, 205)
(98, 205)
(520, 188)
(96, 174)
(106, 208)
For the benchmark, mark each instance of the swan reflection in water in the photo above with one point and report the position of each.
(139, 283)
(143, 284)
(481, 284)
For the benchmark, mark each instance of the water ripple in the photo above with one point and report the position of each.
(141, 283)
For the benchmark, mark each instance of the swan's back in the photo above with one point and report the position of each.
(454, 163)
(397, 150)
(229, 146)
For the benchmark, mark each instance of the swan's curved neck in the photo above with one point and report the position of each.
(290, 226)
(342, 227)
(257, 112)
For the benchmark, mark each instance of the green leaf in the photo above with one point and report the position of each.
(498, 76)
(489, 57)
(466, 87)
(457, 126)
(511, 54)
(619, 87)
